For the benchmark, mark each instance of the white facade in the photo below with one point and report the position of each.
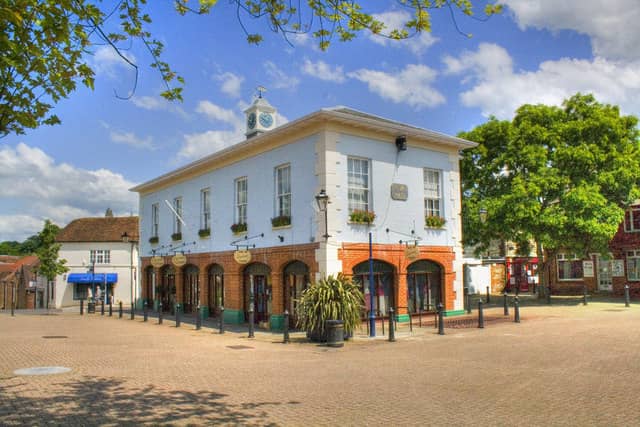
(123, 261)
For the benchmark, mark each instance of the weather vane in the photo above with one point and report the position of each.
(260, 90)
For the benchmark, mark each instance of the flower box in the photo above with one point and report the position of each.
(154, 240)
(240, 227)
(281, 221)
(204, 232)
(362, 217)
(434, 221)
(176, 236)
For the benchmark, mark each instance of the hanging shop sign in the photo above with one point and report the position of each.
(157, 261)
(179, 260)
(412, 253)
(242, 256)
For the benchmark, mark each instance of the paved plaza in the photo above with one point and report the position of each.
(566, 364)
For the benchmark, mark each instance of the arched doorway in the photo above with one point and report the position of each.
(296, 280)
(424, 286)
(148, 286)
(215, 285)
(257, 279)
(383, 283)
(166, 289)
(191, 288)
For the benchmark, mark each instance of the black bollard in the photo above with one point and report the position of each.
(488, 295)
(516, 309)
(177, 315)
(627, 301)
(221, 320)
(480, 314)
(251, 327)
(506, 306)
(440, 319)
(81, 307)
(584, 294)
(145, 311)
(410, 321)
(392, 333)
(465, 292)
(13, 308)
(548, 290)
(102, 307)
(198, 319)
(286, 327)
(133, 313)
(468, 303)
(120, 310)
(382, 321)
(160, 313)
(110, 309)
(420, 317)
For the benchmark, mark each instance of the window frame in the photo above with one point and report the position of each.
(354, 205)
(205, 208)
(631, 216)
(177, 214)
(100, 256)
(155, 219)
(241, 207)
(432, 210)
(573, 258)
(635, 256)
(280, 197)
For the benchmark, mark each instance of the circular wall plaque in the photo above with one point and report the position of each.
(157, 261)
(179, 260)
(242, 256)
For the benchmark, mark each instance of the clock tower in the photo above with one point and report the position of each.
(260, 115)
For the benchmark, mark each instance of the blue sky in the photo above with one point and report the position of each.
(537, 51)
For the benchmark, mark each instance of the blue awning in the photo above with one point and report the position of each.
(89, 278)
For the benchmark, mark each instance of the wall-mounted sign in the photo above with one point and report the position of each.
(399, 192)
(242, 256)
(617, 268)
(179, 260)
(587, 268)
(157, 261)
(412, 253)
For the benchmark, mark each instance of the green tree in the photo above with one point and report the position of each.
(43, 43)
(557, 176)
(50, 266)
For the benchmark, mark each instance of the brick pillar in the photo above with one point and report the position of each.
(401, 293)
(179, 285)
(277, 292)
(203, 279)
(448, 292)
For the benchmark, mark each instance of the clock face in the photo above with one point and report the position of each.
(251, 120)
(266, 120)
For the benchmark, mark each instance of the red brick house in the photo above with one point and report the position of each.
(20, 284)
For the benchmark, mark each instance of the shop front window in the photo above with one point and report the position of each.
(383, 287)
(423, 286)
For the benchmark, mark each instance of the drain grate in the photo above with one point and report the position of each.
(239, 347)
(49, 337)
(42, 370)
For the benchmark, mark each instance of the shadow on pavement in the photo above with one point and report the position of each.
(108, 401)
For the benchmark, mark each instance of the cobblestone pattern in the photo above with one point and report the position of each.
(569, 365)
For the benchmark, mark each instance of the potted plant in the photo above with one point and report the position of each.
(154, 240)
(281, 221)
(434, 221)
(333, 298)
(239, 227)
(362, 217)
(204, 232)
(176, 236)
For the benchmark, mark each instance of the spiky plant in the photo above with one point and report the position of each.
(333, 298)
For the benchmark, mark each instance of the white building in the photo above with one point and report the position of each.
(260, 195)
(99, 258)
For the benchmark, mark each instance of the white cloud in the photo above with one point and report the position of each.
(411, 86)
(198, 145)
(106, 61)
(279, 79)
(231, 84)
(129, 138)
(612, 25)
(217, 113)
(157, 103)
(395, 20)
(499, 90)
(323, 71)
(40, 188)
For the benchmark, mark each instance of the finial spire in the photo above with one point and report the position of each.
(260, 90)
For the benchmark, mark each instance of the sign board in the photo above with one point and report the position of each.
(412, 253)
(179, 260)
(399, 192)
(587, 268)
(242, 256)
(617, 268)
(157, 261)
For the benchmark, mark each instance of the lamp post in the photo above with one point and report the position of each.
(126, 239)
(322, 199)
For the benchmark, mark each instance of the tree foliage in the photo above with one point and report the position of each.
(44, 43)
(50, 266)
(557, 176)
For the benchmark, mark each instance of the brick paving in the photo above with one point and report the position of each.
(563, 365)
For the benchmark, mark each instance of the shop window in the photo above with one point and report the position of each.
(80, 291)
(633, 265)
(569, 267)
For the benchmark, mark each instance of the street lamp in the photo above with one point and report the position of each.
(127, 239)
(322, 199)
